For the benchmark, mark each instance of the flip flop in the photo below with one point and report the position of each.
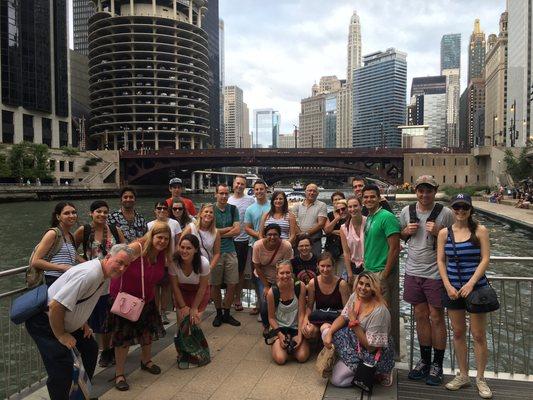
(238, 307)
(254, 311)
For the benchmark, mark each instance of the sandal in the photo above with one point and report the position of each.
(153, 369)
(121, 385)
(238, 306)
(254, 311)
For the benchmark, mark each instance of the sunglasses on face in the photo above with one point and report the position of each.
(464, 207)
(341, 209)
(161, 208)
(177, 208)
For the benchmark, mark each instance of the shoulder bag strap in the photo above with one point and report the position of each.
(87, 298)
(452, 239)
(142, 269)
(274, 255)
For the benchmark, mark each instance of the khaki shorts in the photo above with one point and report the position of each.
(226, 271)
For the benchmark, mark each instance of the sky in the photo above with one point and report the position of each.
(275, 50)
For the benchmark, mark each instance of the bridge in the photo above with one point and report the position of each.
(155, 166)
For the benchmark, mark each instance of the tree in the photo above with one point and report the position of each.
(5, 171)
(518, 167)
(29, 160)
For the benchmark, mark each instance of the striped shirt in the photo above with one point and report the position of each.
(469, 257)
(282, 222)
(66, 256)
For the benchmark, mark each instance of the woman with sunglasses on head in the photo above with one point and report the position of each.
(180, 213)
(336, 219)
(204, 228)
(352, 234)
(362, 333)
(279, 214)
(56, 252)
(463, 253)
(162, 289)
(97, 238)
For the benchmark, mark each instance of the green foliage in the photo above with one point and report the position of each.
(518, 167)
(70, 151)
(471, 190)
(29, 160)
(5, 171)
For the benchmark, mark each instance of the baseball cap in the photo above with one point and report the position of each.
(175, 182)
(426, 180)
(462, 198)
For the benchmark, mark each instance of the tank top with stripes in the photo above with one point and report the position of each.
(462, 268)
(283, 223)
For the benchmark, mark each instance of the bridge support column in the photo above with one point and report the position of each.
(134, 140)
(156, 137)
(192, 143)
(201, 181)
(177, 139)
(193, 181)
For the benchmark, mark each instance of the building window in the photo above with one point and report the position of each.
(455, 179)
(444, 161)
(71, 166)
(433, 162)
(466, 178)
(422, 162)
(477, 178)
(8, 129)
(466, 161)
(52, 165)
(27, 128)
(61, 166)
(411, 178)
(411, 162)
(455, 161)
(477, 161)
(443, 178)
(46, 124)
(63, 133)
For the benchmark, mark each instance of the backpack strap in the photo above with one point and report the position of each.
(413, 218)
(57, 244)
(87, 228)
(275, 292)
(114, 232)
(435, 212)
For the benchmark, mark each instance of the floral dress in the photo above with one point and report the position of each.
(377, 328)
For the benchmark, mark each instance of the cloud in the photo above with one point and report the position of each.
(276, 50)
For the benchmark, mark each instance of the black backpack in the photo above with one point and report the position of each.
(413, 218)
(275, 292)
(87, 228)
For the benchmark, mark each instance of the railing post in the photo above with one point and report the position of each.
(395, 310)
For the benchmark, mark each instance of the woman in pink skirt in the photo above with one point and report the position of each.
(189, 279)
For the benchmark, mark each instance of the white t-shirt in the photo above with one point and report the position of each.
(175, 230)
(242, 204)
(79, 282)
(193, 278)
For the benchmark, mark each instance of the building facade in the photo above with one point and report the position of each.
(233, 117)
(414, 136)
(82, 11)
(287, 141)
(450, 66)
(496, 87)
(379, 99)
(476, 52)
(34, 82)
(428, 85)
(150, 88)
(519, 71)
(312, 121)
(222, 74)
(79, 99)
(266, 128)
(344, 116)
(476, 85)
(354, 46)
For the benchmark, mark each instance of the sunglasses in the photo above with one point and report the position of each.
(341, 208)
(161, 208)
(464, 207)
(177, 208)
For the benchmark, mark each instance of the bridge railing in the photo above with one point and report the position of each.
(509, 329)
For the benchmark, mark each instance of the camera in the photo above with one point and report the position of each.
(290, 345)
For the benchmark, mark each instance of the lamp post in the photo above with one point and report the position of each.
(512, 129)
(494, 119)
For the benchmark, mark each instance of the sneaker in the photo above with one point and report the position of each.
(217, 321)
(483, 389)
(259, 319)
(419, 372)
(434, 377)
(228, 319)
(164, 318)
(460, 381)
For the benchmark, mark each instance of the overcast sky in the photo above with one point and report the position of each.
(275, 50)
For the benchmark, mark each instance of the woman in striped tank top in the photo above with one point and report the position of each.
(279, 214)
(463, 271)
(64, 217)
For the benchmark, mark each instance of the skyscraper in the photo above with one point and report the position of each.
(82, 10)
(266, 128)
(34, 72)
(496, 86)
(450, 66)
(211, 24)
(476, 85)
(234, 117)
(379, 99)
(354, 46)
(428, 85)
(222, 74)
(519, 72)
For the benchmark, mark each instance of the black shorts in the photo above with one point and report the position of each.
(457, 304)
(241, 248)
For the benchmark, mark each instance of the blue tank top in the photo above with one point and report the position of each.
(468, 257)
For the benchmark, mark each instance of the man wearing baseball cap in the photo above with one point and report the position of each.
(175, 187)
(420, 224)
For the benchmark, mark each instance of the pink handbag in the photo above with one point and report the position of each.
(126, 305)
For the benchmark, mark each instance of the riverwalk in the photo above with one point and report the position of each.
(517, 216)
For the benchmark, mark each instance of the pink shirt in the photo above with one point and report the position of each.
(356, 242)
(131, 280)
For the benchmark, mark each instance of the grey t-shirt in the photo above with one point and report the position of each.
(77, 283)
(307, 217)
(421, 250)
(242, 204)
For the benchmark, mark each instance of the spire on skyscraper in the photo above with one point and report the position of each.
(354, 46)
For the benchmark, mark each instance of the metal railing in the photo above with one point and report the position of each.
(509, 329)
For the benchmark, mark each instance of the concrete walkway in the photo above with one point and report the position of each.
(518, 216)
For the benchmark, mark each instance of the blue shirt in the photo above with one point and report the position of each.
(253, 216)
(225, 219)
(468, 258)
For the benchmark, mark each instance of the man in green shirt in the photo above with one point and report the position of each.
(227, 269)
(382, 243)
